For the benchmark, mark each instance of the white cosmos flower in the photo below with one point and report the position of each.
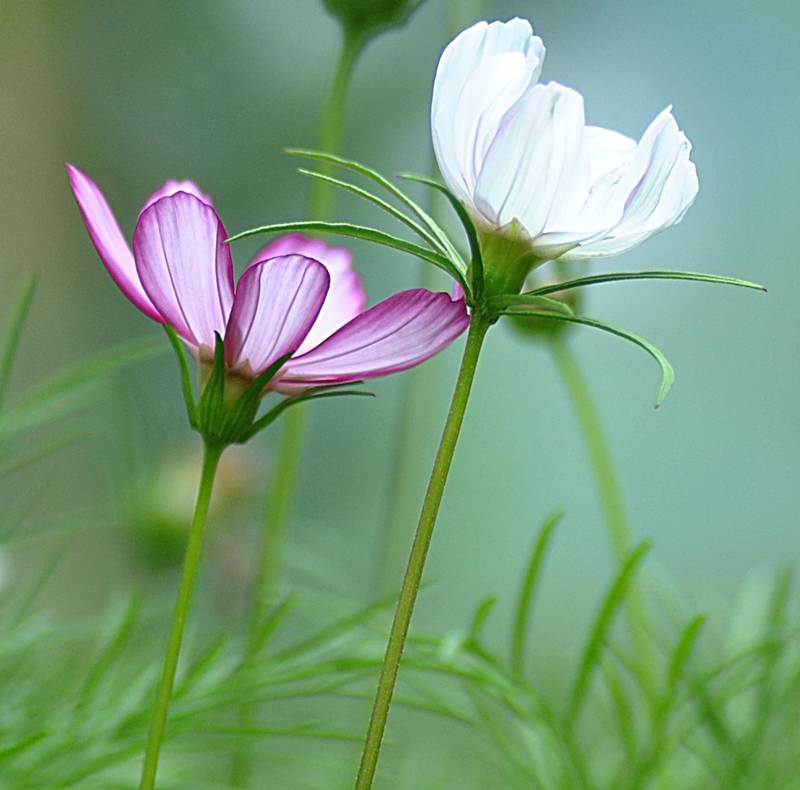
(519, 154)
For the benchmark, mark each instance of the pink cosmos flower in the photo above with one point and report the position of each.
(296, 295)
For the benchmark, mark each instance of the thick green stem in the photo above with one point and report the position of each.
(419, 552)
(608, 491)
(191, 563)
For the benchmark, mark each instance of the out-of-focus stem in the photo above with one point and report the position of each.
(281, 492)
(419, 553)
(395, 527)
(191, 564)
(608, 489)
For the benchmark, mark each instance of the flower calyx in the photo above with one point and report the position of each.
(228, 409)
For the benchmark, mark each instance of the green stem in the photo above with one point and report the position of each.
(330, 138)
(419, 552)
(191, 563)
(413, 395)
(608, 490)
(281, 492)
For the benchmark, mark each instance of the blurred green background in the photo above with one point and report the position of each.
(135, 93)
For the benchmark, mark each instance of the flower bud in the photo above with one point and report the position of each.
(368, 18)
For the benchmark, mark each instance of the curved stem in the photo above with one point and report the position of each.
(419, 552)
(191, 563)
(281, 492)
(609, 493)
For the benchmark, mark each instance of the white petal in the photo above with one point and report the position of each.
(536, 171)
(660, 185)
(472, 92)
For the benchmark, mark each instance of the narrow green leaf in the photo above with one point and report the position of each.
(393, 189)
(27, 413)
(667, 371)
(276, 411)
(528, 302)
(682, 652)
(120, 635)
(466, 221)
(13, 332)
(480, 617)
(44, 449)
(364, 233)
(186, 377)
(529, 584)
(382, 204)
(599, 632)
(608, 277)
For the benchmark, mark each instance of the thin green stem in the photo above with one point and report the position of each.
(419, 552)
(191, 563)
(413, 396)
(608, 490)
(330, 138)
(281, 491)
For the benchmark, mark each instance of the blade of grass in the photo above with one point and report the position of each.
(599, 632)
(13, 332)
(528, 589)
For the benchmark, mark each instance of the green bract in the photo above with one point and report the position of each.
(227, 412)
(494, 272)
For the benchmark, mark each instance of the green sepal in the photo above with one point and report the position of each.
(667, 371)
(186, 377)
(528, 303)
(242, 413)
(211, 412)
(311, 394)
(469, 228)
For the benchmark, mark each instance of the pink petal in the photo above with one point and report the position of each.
(184, 266)
(171, 187)
(346, 297)
(276, 303)
(109, 241)
(394, 335)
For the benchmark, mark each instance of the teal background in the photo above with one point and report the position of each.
(135, 93)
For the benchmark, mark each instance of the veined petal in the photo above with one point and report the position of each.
(394, 335)
(608, 151)
(276, 304)
(185, 267)
(660, 185)
(480, 76)
(536, 170)
(346, 297)
(169, 188)
(108, 240)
